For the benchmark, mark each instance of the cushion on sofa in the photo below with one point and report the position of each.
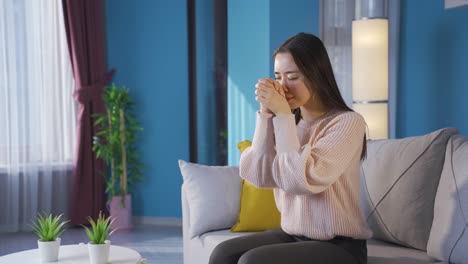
(213, 196)
(448, 239)
(399, 179)
(258, 210)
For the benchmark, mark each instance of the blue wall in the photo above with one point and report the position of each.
(433, 68)
(287, 20)
(147, 44)
(248, 60)
(255, 29)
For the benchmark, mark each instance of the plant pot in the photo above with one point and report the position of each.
(49, 250)
(121, 213)
(99, 253)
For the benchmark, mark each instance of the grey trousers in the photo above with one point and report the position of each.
(276, 246)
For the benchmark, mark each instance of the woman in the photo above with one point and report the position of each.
(307, 146)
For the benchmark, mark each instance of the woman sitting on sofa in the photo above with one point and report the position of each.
(307, 146)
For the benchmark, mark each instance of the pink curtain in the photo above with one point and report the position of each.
(84, 22)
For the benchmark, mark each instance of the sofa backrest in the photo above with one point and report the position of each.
(448, 240)
(399, 180)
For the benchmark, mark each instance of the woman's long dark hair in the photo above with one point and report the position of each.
(312, 59)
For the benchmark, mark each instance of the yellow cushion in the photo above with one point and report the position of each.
(243, 145)
(258, 210)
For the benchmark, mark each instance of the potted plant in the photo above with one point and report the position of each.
(117, 132)
(49, 228)
(98, 233)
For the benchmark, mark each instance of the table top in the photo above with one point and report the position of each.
(75, 254)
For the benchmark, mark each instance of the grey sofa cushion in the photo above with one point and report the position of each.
(448, 239)
(399, 180)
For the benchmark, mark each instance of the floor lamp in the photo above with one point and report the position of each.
(370, 74)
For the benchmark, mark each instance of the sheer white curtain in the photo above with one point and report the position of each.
(336, 18)
(335, 31)
(37, 112)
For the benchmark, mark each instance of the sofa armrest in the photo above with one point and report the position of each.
(185, 213)
(225, 216)
(185, 224)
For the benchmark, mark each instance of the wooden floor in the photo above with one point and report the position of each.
(158, 244)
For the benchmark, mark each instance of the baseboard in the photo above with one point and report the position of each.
(153, 220)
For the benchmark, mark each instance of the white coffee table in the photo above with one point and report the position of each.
(75, 254)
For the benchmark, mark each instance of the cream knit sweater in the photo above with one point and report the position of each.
(314, 170)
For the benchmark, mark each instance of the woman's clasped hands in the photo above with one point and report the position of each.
(272, 96)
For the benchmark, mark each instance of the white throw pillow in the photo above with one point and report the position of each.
(213, 195)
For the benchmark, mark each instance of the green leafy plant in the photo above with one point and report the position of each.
(48, 227)
(117, 133)
(100, 230)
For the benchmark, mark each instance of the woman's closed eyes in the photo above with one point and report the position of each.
(290, 78)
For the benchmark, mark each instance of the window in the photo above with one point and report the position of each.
(37, 109)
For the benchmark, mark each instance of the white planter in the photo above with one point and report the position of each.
(49, 250)
(99, 253)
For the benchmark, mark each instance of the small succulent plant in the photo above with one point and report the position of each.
(48, 227)
(100, 229)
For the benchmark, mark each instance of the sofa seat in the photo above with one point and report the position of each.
(212, 239)
(379, 252)
(198, 249)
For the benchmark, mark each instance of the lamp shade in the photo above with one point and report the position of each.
(370, 74)
(370, 59)
(376, 119)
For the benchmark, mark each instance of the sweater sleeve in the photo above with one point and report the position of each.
(255, 164)
(314, 167)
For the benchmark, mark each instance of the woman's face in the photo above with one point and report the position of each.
(288, 74)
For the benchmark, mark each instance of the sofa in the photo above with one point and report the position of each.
(414, 195)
